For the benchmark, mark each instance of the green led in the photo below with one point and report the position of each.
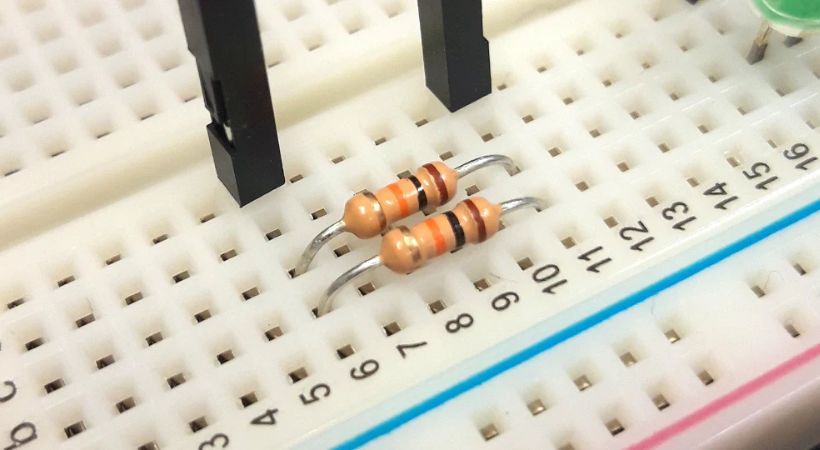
(791, 17)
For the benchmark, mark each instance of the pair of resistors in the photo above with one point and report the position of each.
(404, 249)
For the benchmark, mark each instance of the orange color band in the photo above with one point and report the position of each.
(438, 238)
(402, 202)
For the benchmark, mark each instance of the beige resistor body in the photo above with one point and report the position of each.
(367, 214)
(472, 221)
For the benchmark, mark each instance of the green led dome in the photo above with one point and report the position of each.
(791, 16)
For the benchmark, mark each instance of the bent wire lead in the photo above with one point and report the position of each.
(404, 250)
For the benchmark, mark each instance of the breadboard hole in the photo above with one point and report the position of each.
(489, 431)
(273, 333)
(248, 399)
(74, 429)
(125, 404)
(437, 306)
(176, 380)
(705, 377)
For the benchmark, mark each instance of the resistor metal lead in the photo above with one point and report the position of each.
(368, 214)
(404, 250)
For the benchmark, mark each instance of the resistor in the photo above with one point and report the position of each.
(404, 250)
(368, 214)
(472, 221)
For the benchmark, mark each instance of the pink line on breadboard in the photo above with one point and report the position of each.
(716, 406)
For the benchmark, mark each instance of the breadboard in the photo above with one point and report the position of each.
(143, 309)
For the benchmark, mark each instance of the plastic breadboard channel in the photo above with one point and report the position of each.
(798, 16)
(140, 308)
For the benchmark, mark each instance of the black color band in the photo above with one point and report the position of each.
(422, 196)
(456, 226)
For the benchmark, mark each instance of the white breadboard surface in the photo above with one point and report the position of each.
(669, 296)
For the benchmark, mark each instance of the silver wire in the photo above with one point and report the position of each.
(327, 304)
(486, 161)
(506, 208)
(521, 203)
(313, 247)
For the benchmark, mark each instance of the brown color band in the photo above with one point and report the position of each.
(411, 243)
(440, 184)
(482, 229)
(382, 218)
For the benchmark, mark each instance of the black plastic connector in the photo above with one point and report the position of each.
(223, 35)
(456, 53)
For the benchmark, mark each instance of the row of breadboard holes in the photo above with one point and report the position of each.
(293, 10)
(63, 60)
(31, 6)
(713, 70)
(636, 107)
(125, 75)
(596, 127)
(800, 266)
(144, 108)
(62, 57)
(227, 252)
(351, 23)
(107, 44)
(535, 404)
(745, 102)
(83, 91)
(759, 290)
(53, 141)
(615, 425)
(38, 111)
(200, 312)
(126, 78)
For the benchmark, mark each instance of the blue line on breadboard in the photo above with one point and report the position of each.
(577, 328)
